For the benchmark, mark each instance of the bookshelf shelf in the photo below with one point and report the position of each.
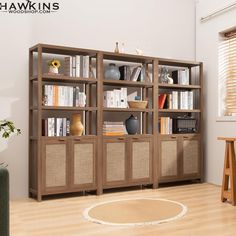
(66, 79)
(178, 63)
(62, 108)
(178, 86)
(127, 83)
(134, 136)
(180, 110)
(126, 110)
(96, 153)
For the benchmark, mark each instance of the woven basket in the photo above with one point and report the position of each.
(138, 104)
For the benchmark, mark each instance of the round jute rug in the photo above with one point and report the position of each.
(138, 211)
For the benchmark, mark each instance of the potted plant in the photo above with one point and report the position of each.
(7, 128)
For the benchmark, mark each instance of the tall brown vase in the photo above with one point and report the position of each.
(76, 127)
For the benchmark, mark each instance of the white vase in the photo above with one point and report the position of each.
(53, 70)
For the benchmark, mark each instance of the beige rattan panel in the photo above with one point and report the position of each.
(190, 156)
(140, 160)
(55, 165)
(115, 162)
(83, 163)
(169, 158)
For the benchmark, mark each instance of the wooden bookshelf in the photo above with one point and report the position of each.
(146, 158)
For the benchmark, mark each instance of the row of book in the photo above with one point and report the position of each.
(132, 73)
(181, 76)
(111, 128)
(176, 100)
(56, 127)
(165, 125)
(115, 98)
(55, 95)
(77, 66)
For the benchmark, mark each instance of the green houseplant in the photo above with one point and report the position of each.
(7, 128)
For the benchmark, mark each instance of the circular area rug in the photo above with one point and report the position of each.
(138, 211)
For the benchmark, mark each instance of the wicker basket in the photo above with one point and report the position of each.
(138, 104)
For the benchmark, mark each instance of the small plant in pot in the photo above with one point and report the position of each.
(54, 65)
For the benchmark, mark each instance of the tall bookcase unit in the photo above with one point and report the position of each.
(180, 155)
(93, 161)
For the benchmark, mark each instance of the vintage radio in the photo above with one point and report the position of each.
(184, 125)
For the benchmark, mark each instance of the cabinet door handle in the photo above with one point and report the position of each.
(121, 138)
(135, 138)
(77, 139)
(186, 137)
(173, 137)
(61, 139)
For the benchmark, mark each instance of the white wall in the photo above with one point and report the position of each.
(162, 28)
(207, 38)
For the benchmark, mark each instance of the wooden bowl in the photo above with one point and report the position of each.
(138, 104)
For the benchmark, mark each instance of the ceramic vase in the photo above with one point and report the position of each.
(76, 127)
(112, 72)
(132, 125)
(53, 70)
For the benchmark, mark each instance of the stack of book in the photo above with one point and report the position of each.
(165, 125)
(111, 128)
(181, 76)
(55, 127)
(77, 66)
(176, 100)
(116, 98)
(55, 95)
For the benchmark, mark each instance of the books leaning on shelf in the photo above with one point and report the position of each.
(176, 100)
(181, 76)
(77, 66)
(132, 74)
(161, 100)
(116, 98)
(113, 128)
(55, 95)
(56, 127)
(165, 125)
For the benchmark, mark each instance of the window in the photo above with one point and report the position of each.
(227, 74)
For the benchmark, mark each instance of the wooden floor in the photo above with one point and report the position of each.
(63, 217)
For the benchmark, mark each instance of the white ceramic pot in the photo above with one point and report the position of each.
(53, 70)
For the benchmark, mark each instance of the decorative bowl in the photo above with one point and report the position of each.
(138, 104)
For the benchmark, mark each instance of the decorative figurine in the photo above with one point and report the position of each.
(117, 48)
(170, 80)
(139, 51)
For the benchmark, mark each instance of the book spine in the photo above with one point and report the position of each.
(86, 66)
(63, 126)
(67, 127)
(77, 65)
(190, 100)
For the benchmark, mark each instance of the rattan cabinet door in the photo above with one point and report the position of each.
(191, 156)
(54, 165)
(141, 160)
(83, 163)
(168, 162)
(114, 154)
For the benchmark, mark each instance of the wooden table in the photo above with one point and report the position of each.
(229, 173)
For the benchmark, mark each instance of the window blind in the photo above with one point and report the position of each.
(227, 72)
